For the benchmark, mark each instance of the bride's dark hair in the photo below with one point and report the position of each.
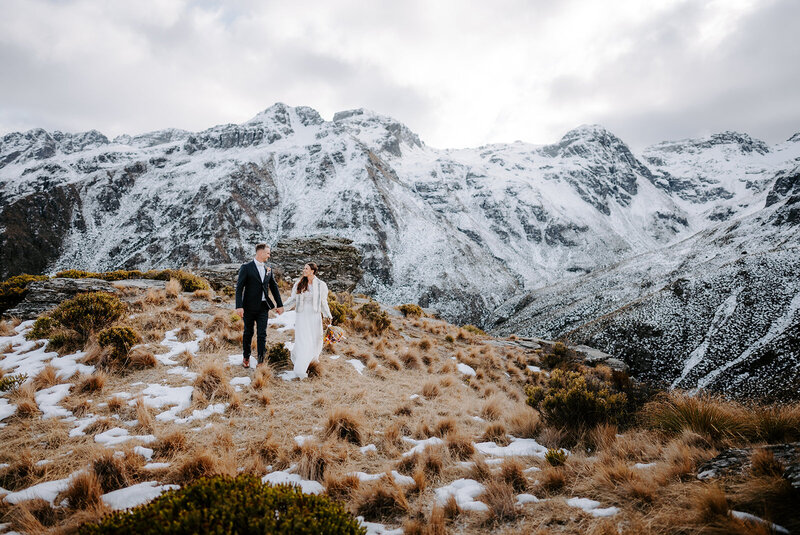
(302, 286)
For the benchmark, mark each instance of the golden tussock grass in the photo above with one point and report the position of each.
(201, 462)
(493, 409)
(480, 470)
(25, 399)
(345, 424)
(115, 404)
(112, 472)
(430, 390)
(512, 471)
(182, 305)
(33, 516)
(185, 334)
(78, 407)
(90, 383)
(313, 460)
(186, 358)
(155, 297)
(213, 383)
(46, 378)
(144, 416)
(208, 295)
(523, 421)
(170, 445)
(380, 499)
(83, 491)
(21, 472)
(341, 487)
(552, 479)
(210, 344)
(709, 416)
(314, 369)
(499, 496)
(411, 359)
(100, 425)
(459, 445)
(495, 432)
(435, 524)
(141, 359)
(262, 377)
(6, 329)
(764, 463)
(173, 288)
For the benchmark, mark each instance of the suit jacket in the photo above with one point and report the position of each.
(250, 288)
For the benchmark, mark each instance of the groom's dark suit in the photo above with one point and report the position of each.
(252, 294)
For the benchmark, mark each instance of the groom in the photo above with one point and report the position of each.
(253, 303)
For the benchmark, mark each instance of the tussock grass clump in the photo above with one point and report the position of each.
(141, 359)
(34, 516)
(344, 424)
(199, 463)
(314, 460)
(182, 305)
(512, 471)
(430, 390)
(459, 445)
(341, 488)
(380, 499)
(711, 417)
(22, 472)
(523, 422)
(83, 491)
(90, 383)
(502, 501)
(213, 383)
(111, 472)
(493, 409)
(776, 423)
(173, 288)
(495, 432)
(410, 360)
(155, 297)
(239, 505)
(170, 445)
(46, 378)
(25, 399)
(555, 457)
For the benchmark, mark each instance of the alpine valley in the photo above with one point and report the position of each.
(683, 260)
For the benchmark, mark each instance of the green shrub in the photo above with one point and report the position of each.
(474, 330)
(13, 289)
(410, 309)
(569, 400)
(278, 354)
(557, 356)
(556, 457)
(42, 328)
(89, 312)
(372, 311)
(65, 341)
(189, 281)
(340, 310)
(9, 383)
(223, 505)
(120, 339)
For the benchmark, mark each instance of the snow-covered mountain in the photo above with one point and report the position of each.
(469, 231)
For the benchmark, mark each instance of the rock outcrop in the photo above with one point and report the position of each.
(47, 294)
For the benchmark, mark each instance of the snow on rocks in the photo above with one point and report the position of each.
(302, 439)
(307, 486)
(184, 371)
(368, 448)
(27, 358)
(522, 447)
(747, 517)
(197, 414)
(641, 466)
(147, 453)
(158, 396)
(522, 499)
(465, 491)
(420, 445)
(135, 494)
(176, 347)
(49, 399)
(592, 507)
(241, 381)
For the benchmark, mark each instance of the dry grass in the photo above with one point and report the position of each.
(344, 424)
(493, 409)
(459, 445)
(213, 383)
(512, 471)
(90, 383)
(6, 329)
(83, 491)
(141, 359)
(313, 460)
(111, 471)
(144, 416)
(208, 295)
(341, 488)
(380, 499)
(185, 334)
(182, 305)
(430, 390)
(502, 501)
(46, 378)
(523, 422)
(410, 359)
(200, 463)
(173, 288)
(25, 399)
(170, 445)
(495, 432)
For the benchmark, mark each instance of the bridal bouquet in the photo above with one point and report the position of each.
(334, 334)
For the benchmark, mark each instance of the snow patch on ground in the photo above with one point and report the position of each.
(465, 491)
(135, 494)
(307, 486)
(592, 507)
(519, 447)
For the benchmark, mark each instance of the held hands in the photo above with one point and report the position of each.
(279, 310)
(240, 311)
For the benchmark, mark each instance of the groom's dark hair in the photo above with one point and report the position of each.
(261, 246)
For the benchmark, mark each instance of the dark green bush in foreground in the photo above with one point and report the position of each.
(278, 354)
(223, 505)
(120, 339)
(89, 312)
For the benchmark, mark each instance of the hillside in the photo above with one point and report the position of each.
(417, 425)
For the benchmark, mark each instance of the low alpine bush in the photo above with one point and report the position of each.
(89, 312)
(232, 505)
(120, 340)
(278, 354)
(13, 289)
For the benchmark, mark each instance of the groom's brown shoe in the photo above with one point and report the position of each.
(246, 362)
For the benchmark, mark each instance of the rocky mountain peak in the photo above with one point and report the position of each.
(389, 134)
(283, 115)
(795, 138)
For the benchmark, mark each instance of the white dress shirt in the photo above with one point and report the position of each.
(262, 270)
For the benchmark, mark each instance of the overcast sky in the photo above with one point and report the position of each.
(459, 73)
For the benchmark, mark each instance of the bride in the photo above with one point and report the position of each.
(310, 298)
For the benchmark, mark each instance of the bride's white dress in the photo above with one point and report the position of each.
(307, 332)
